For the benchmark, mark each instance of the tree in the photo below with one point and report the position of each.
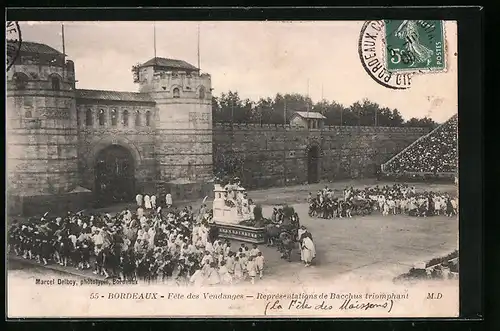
(229, 107)
(333, 111)
(421, 122)
(216, 110)
(396, 118)
(288, 104)
(263, 111)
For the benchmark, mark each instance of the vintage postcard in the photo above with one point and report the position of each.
(232, 169)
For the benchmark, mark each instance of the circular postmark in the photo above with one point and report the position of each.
(14, 41)
(372, 51)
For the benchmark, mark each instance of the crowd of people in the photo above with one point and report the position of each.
(388, 200)
(434, 153)
(150, 245)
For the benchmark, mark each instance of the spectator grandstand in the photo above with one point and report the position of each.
(433, 154)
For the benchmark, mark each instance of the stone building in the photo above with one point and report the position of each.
(307, 119)
(67, 146)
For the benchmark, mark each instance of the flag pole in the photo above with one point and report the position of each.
(198, 46)
(232, 111)
(284, 142)
(154, 40)
(307, 101)
(284, 110)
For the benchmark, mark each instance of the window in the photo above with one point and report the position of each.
(125, 118)
(28, 114)
(176, 93)
(148, 118)
(56, 83)
(137, 118)
(114, 118)
(88, 118)
(20, 80)
(201, 94)
(102, 117)
(28, 101)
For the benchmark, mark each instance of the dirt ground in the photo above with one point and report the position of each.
(366, 247)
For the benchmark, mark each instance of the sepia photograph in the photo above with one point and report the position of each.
(232, 169)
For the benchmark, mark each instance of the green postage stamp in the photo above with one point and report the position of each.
(415, 45)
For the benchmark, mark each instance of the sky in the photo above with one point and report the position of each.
(257, 59)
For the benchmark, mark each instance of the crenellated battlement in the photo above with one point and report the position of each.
(188, 84)
(32, 76)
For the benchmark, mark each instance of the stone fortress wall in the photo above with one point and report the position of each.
(42, 139)
(183, 123)
(130, 124)
(277, 155)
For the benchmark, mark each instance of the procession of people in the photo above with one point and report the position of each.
(157, 242)
(387, 199)
(150, 245)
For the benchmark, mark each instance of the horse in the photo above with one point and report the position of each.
(286, 245)
(271, 234)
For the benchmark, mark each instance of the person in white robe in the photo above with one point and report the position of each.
(259, 263)
(195, 233)
(200, 246)
(212, 275)
(140, 212)
(143, 220)
(207, 258)
(168, 200)
(198, 277)
(147, 202)
(153, 201)
(254, 251)
(238, 269)
(229, 261)
(127, 216)
(192, 248)
(203, 233)
(138, 200)
(300, 232)
(307, 251)
(224, 274)
(251, 269)
(152, 233)
(209, 247)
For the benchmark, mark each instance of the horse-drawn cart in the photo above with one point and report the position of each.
(283, 232)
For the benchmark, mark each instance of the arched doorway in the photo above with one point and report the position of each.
(313, 165)
(114, 175)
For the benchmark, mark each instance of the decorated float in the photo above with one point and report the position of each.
(233, 214)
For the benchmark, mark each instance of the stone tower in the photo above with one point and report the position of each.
(41, 127)
(183, 146)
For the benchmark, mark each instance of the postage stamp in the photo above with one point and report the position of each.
(194, 176)
(415, 45)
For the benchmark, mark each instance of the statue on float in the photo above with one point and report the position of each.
(231, 204)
